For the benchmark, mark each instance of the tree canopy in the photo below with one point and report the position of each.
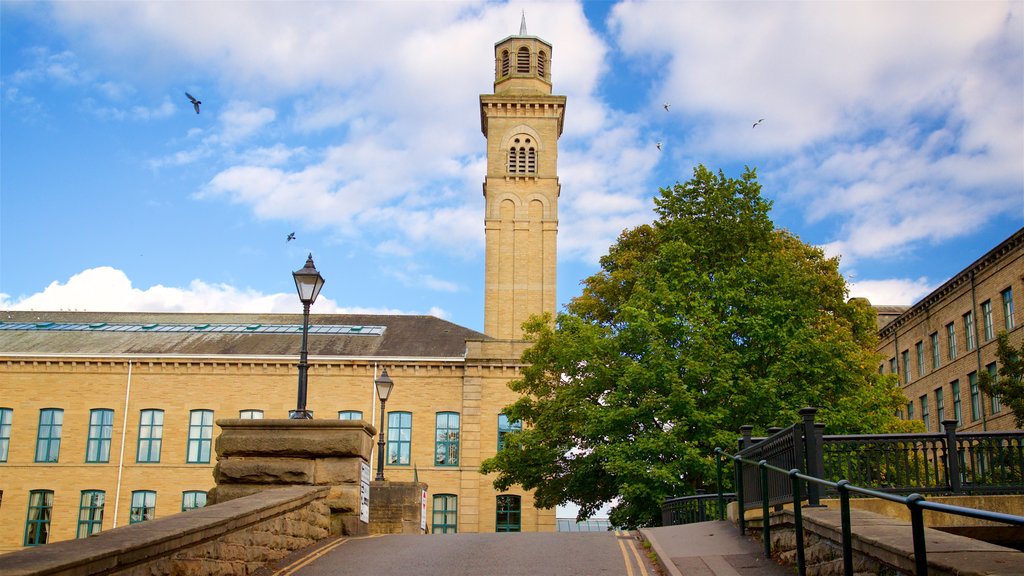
(1009, 384)
(707, 319)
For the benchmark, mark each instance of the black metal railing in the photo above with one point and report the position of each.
(695, 508)
(915, 503)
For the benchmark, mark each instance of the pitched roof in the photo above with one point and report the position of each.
(202, 334)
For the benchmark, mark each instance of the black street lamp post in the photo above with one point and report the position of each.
(384, 385)
(308, 283)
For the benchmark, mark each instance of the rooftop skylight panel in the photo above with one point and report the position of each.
(339, 329)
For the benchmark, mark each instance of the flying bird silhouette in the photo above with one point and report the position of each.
(291, 236)
(666, 105)
(658, 145)
(756, 123)
(195, 103)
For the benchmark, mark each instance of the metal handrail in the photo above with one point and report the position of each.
(915, 503)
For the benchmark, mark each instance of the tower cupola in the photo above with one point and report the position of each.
(522, 64)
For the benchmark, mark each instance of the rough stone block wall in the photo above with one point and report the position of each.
(396, 507)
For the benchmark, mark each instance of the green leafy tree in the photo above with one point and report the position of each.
(707, 319)
(1009, 386)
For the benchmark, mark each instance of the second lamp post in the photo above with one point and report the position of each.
(384, 385)
(308, 283)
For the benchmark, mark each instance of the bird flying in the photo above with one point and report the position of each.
(658, 145)
(758, 122)
(291, 236)
(195, 103)
(666, 105)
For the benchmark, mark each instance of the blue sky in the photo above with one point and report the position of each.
(893, 136)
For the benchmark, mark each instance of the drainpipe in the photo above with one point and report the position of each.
(977, 352)
(124, 433)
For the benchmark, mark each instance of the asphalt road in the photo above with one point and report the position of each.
(523, 554)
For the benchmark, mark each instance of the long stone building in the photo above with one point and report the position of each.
(939, 345)
(110, 418)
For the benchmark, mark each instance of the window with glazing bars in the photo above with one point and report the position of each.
(250, 414)
(200, 436)
(6, 418)
(997, 406)
(905, 358)
(51, 422)
(350, 415)
(935, 350)
(972, 378)
(101, 428)
(951, 340)
(446, 439)
(90, 512)
(192, 499)
(969, 331)
(504, 427)
(143, 506)
(151, 433)
(919, 351)
(37, 523)
(399, 438)
(940, 407)
(1008, 319)
(925, 416)
(508, 517)
(957, 412)
(986, 320)
(444, 519)
(910, 410)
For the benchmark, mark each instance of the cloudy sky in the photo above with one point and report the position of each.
(893, 135)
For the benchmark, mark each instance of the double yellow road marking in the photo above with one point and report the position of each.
(626, 540)
(312, 556)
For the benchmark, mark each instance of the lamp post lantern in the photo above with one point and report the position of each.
(384, 386)
(308, 283)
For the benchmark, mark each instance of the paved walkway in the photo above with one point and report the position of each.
(710, 549)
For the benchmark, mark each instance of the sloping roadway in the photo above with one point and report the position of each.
(517, 554)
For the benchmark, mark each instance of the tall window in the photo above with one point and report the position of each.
(508, 516)
(910, 410)
(200, 436)
(445, 515)
(143, 506)
(522, 156)
(919, 350)
(446, 439)
(399, 437)
(972, 378)
(969, 331)
(892, 366)
(523, 60)
(935, 350)
(905, 357)
(955, 386)
(504, 427)
(250, 414)
(192, 499)
(1008, 309)
(90, 512)
(986, 320)
(924, 412)
(350, 415)
(151, 433)
(940, 407)
(101, 427)
(951, 340)
(997, 406)
(37, 523)
(6, 417)
(51, 421)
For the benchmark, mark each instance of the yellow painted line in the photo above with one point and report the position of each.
(639, 559)
(306, 560)
(625, 555)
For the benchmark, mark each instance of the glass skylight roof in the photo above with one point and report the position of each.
(195, 328)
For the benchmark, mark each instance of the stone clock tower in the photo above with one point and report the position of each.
(522, 121)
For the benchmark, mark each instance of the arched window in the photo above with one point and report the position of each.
(523, 60)
(542, 64)
(504, 63)
(508, 514)
(522, 156)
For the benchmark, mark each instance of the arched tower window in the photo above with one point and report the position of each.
(542, 64)
(504, 63)
(523, 60)
(522, 156)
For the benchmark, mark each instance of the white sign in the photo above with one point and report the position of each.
(364, 493)
(423, 512)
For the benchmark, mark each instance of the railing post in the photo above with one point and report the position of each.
(798, 523)
(738, 468)
(844, 509)
(721, 495)
(952, 456)
(917, 529)
(766, 521)
(814, 456)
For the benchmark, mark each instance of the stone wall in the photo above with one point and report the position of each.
(257, 455)
(231, 538)
(396, 507)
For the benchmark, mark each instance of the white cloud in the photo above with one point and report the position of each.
(895, 291)
(106, 289)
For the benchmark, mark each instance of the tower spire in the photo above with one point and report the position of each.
(522, 25)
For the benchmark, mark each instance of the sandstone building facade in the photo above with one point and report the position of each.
(111, 418)
(939, 345)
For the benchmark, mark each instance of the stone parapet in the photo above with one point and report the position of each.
(232, 538)
(397, 507)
